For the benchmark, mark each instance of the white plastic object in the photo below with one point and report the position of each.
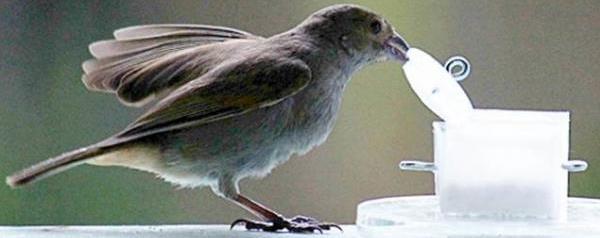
(420, 216)
(503, 163)
(436, 87)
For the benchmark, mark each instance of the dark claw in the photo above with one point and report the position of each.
(250, 225)
(329, 226)
(237, 222)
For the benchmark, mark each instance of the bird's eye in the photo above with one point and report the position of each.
(375, 27)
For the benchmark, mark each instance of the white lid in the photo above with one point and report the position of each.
(436, 88)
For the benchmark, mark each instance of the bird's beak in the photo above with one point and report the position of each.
(396, 48)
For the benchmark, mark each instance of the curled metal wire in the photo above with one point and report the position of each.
(459, 67)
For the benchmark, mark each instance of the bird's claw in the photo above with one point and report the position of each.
(298, 224)
(310, 220)
(303, 219)
(253, 225)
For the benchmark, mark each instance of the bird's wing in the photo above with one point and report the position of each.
(227, 91)
(143, 61)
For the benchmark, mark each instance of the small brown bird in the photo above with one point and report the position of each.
(228, 104)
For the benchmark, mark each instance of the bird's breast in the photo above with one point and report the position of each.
(314, 113)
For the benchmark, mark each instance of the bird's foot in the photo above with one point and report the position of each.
(298, 224)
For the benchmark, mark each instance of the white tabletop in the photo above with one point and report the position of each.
(162, 231)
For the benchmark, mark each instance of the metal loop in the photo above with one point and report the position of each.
(463, 65)
(417, 166)
(575, 165)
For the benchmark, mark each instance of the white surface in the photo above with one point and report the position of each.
(503, 163)
(436, 88)
(163, 231)
(420, 216)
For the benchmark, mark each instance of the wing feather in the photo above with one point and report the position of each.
(111, 48)
(144, 61)
(145, 31)
(230, 91)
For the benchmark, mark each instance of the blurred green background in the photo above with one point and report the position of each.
(525, 54)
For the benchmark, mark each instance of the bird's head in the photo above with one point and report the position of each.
(362, 35)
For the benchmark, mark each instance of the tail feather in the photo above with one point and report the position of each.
(53, 166)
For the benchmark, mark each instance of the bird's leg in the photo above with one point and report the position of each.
(276, 222)
(256, 208)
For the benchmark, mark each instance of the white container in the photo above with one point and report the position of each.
(503, 163)
(491, 162)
